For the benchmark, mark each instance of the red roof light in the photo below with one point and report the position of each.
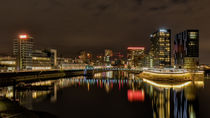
(136, 48)
(23, 36)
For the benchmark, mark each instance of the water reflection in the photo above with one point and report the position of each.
(174, 100)
(168, 100)
(136, 95)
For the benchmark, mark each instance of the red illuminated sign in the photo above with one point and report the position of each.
(137, 95)
(136, 48)
(23, 36)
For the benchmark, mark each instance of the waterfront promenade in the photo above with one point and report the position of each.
(23, 76)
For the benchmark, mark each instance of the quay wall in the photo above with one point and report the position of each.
(11, 77)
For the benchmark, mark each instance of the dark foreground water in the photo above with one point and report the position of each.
(107, 95)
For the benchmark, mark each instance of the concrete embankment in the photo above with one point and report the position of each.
(10, 109)
(11, 77)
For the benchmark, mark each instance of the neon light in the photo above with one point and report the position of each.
(166, 85)
(136, 48)
(23, 36)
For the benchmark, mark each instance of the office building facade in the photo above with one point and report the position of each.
(161, 48)
(135, 57)
(7, 64)
(186, 49)
(22, 50)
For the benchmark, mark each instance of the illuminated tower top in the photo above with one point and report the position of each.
(22, 50)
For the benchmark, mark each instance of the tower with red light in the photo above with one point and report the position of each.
(23, 36)
(22, 50)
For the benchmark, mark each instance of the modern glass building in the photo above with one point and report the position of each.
(161, 48)
(22, 50)
(186, 49)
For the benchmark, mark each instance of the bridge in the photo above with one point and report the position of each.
(115, 69)
(97, 70)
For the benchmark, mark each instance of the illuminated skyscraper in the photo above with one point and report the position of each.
(161, 48)
(22, 50)
(186, 49)
(107, 57)
(135, 56)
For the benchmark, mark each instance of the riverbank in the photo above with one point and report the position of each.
(15, 77)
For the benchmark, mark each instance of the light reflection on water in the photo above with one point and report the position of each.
(167, 100)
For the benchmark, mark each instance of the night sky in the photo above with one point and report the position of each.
(74, 25)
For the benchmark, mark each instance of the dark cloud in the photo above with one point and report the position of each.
(139, 2)
(180, 1)
(55, 3)
(72, 25)
(158, 8)
(103, 7)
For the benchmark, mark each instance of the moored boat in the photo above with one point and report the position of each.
(171, 75)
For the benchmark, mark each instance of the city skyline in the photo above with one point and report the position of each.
(72, 26)
(104, 58)
(147, 49)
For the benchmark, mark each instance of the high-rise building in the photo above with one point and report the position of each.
(148, 60)
(107, 57)
(186, 49)
(135, 56)
(22, 50)
(161, 48)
